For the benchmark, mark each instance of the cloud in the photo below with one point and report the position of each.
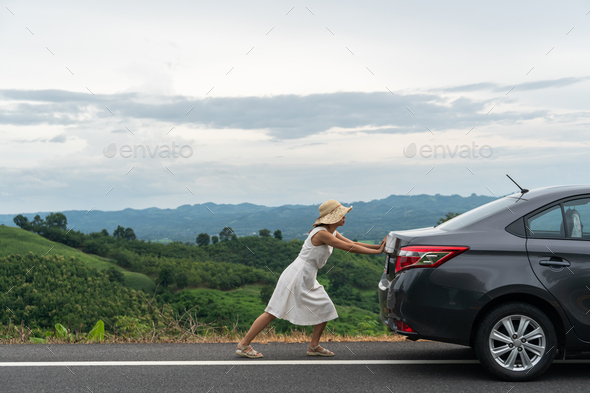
(549, 84)
(495, 87)
(468, 88)
(59, 138)
(76, 184)
(56, 139)
(306, 145)
(281, 117)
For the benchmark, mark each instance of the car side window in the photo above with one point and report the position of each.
(546, 224)
(577, 213)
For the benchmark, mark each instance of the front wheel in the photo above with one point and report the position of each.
(516, 342)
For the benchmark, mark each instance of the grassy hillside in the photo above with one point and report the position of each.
(19, 241)
(220, 286)
(239, 307)
(42, 291)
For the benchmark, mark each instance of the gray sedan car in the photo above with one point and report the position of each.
(510, 278)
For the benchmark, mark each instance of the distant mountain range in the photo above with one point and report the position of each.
(367, 221)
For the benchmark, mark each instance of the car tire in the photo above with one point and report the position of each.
(513, 354)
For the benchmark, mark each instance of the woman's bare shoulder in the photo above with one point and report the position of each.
(321, 235)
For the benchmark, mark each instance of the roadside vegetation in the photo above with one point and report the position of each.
(60, 285)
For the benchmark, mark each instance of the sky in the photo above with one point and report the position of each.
(109, 105)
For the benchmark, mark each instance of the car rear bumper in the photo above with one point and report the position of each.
(434, 312)
(384, 311)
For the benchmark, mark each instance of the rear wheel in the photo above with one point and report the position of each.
(516, 342)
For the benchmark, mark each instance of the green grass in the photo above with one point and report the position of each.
(367, 241)
(18, 241)
(242, 306)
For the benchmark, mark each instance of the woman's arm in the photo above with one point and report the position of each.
(358, 248)
(344, 239)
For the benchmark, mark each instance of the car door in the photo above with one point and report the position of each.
(558, 246)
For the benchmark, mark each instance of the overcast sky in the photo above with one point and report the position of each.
(287, 102)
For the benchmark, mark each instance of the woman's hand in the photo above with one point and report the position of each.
(381, 247)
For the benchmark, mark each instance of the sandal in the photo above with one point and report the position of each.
(248, 352)
(313, 351)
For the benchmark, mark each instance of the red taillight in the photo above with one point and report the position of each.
(425, 256)
(402, 326)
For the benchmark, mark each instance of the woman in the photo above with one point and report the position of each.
(298, 297)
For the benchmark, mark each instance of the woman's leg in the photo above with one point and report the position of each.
(317, 332)
(314, 347)
(259, 324)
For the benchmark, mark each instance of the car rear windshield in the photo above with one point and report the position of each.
(479, 213)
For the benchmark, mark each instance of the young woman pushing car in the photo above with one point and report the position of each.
(298, 297)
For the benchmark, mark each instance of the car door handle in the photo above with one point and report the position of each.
(554, 263)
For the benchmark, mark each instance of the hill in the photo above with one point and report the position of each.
(222, 286)
(17, 241)
(367, 221)
(45, 290)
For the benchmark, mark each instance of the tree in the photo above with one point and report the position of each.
(22, 222)
(181, 280)
(123, 257)
(37, 224)
(129, 234)
(105, 232)
(166, 276)
(95, 247)
(234, 237)
(278, 234)
(124, 233)
(338, 279)
(447, 217)
(56, 220)
(225, 234)
(266, 293)
(119, 232)
(214, 239)
(264, 233)
(203, 239)
(115, 275)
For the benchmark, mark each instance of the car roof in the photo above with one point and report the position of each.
(533, 200)
(527, 203)
(554, 192)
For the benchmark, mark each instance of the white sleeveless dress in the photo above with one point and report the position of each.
(298, 297)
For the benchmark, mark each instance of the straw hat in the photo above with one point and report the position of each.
(331, 212)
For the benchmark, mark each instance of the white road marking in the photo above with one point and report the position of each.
(248, 363)
(229, 363)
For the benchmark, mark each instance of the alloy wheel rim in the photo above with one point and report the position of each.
(517, 342)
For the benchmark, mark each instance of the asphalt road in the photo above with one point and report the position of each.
(211, 368)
